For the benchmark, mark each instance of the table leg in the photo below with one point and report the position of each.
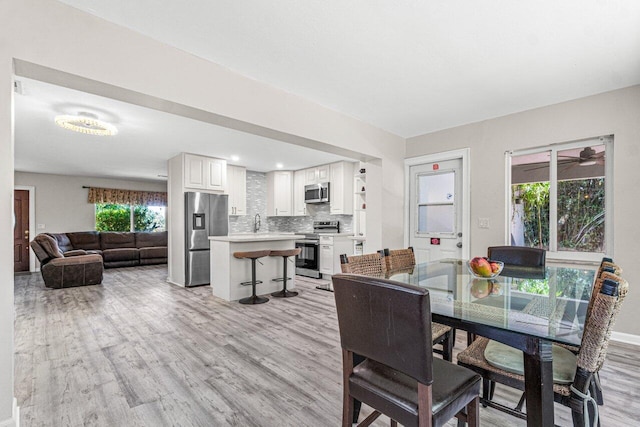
(538, 374)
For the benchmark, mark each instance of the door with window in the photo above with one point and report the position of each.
(435, 213)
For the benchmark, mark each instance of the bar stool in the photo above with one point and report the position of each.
(285, 254)
(253, 256)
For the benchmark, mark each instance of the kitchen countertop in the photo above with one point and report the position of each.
(256, 237)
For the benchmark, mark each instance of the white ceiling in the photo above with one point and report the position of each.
(146, 138)
(409, 67)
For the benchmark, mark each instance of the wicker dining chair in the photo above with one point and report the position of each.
(576, 392)
(367, 264)
(399, 259)
(607, 270)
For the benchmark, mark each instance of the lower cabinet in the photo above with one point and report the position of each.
(331, 247)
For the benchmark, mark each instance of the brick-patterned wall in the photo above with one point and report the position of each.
(257, 204)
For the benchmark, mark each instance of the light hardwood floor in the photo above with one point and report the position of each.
(137, 351)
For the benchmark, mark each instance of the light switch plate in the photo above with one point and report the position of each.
(483, 222)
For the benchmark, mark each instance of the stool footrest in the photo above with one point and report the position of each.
(249, 283)
(280, 279)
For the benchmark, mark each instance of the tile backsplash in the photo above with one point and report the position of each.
(257, 204)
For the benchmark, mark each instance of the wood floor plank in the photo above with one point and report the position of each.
(137, 351)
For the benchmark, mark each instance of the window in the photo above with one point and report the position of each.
(436, 210)
(120, 217)
(561, 198)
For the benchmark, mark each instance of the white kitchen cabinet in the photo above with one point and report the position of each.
(237, 190)
(205, 173)
(341, 188)
(331, 247)
(317, 174)
(326, 259)
(299, 180)
(279, 193)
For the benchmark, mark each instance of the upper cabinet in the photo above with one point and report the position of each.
(205, 173)
(237, 189)
(341, 188)
(316, 174)
(279, 193)
(299, 181)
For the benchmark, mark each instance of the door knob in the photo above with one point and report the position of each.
(459, 244)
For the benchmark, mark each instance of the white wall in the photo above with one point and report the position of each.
(62, 204)
(54, 35)
(616, 113)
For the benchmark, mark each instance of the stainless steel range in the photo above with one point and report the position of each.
(308, 262)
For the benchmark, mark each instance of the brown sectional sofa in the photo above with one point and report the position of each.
(117, 249)
(77, 259)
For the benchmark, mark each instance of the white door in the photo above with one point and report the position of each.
(435, 210)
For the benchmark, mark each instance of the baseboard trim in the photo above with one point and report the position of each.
(625, 338)
(14, 421)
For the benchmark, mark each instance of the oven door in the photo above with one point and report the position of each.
(308, 260)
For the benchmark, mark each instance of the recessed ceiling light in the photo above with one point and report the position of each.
(279, 165)
(235, 158)
(86, 123)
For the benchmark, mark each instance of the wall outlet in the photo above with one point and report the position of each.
(483, 222)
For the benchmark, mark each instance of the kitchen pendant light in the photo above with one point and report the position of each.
(86, 123)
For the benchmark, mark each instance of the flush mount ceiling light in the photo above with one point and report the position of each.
(86, 123)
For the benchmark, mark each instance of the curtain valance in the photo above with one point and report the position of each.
(127, 197)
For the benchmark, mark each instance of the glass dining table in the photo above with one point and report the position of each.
(525, 308)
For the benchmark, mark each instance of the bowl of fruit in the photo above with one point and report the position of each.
(484, 268)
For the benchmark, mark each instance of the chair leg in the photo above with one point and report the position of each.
(347, 400)
(473, 413)
(596, 389)
(471, 337)
(486, 390)
(447, 346)
(520, 402)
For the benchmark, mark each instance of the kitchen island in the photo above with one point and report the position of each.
(227, 272)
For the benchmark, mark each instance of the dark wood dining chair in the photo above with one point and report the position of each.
(403, 261)
(399, 376)
(530, 261)
(521, 256)
(573, 374)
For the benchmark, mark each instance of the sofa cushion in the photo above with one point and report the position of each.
(85, 240)
(74, 271)
(49, 245)
(115, 240)
(63, 241)
(120, 254)
(145, 239)
(155, 252)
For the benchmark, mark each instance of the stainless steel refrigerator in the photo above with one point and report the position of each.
(205, 215)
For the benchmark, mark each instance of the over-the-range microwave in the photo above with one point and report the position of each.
(316, 193)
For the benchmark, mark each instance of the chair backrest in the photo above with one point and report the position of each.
(46, 248)
(518, 255)
(367, 265)
(399, 259)
(607, 270)
(386, 321)
(606, 302)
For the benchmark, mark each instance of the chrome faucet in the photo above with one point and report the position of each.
(256, 223)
